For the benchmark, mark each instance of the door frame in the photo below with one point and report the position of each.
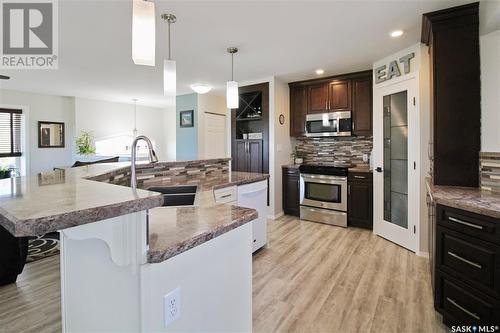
(407, 238)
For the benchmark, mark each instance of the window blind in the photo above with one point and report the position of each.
(10, 132)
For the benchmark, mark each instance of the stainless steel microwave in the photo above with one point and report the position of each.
(329, 124)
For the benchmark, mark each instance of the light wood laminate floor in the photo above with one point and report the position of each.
(310, 278)
(319, 278)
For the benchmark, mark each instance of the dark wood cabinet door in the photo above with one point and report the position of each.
(291, 191)
(339, 95)
(360, 201)
(453, 37)
(318, 98)
(254, 155)
(240, 159)
(298, 110)
(362, 111)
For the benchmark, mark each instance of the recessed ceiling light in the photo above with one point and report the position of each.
(320, 71)
(200, 88)
(396, 33)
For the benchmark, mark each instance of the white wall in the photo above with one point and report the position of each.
(490, 92)
(281, 148)
(40, 107)
(108, 119)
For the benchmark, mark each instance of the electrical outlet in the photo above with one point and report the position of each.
(172, 306)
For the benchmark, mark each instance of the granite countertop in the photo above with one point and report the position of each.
(64, 198)
(361, 168)
(59, 199)
(474, 200)
(290, 166)
(173, 230)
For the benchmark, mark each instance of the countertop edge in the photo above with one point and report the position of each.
(242, 182)
(47, 224)
(461, 204)
(158, 256)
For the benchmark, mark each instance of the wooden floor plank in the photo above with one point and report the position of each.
(310, 278)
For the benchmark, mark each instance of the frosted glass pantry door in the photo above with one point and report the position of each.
(395, 174)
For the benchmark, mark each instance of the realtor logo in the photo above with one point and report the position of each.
(29, 34)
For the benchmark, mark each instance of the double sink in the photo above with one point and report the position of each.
(184, 195)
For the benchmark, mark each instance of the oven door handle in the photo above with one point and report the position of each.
(322, 177)
(322, 181)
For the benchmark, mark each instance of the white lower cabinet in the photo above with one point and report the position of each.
(254, 196)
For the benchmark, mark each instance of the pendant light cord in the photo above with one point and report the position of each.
(232, 66)
(169, 55)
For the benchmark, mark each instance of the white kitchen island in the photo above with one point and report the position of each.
(116, 269)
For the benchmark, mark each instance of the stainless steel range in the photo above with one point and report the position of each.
(323, 194)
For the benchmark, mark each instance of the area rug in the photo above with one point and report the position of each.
(43, 246)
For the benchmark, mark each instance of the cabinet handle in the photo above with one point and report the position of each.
(225, 196)
(463, 309)
(353, 125)
(360, 177)
(329, 105)
(326, 105)
(348, 189)
(472, 225)
(465, 260)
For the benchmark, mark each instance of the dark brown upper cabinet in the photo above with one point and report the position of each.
(318, 98)
(362, 118)
(298, 108)
(346, 92)
(453, 38)
(339, 95)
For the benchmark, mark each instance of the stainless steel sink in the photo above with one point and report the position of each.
(177, 195)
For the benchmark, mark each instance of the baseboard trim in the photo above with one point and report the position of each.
(423, 254)
(275, 217)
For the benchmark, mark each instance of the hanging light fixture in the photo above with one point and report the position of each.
(143, 32)
(135, 118)
(169, 70)
(232, 97)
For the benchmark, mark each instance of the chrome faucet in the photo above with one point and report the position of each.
(152, 158)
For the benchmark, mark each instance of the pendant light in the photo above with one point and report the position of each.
(232, 97)
(143, 32)
(135, 118)
(169, 71)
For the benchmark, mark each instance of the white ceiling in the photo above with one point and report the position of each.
(288, 39)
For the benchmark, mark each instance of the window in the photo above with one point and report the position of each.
(10, 132)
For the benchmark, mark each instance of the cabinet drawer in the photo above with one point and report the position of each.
(360, 177)
(475, 261)
(226, 194)
(461, 305)
(291, 171)
(480, 226)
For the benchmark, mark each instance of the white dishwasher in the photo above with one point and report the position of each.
(254, 196)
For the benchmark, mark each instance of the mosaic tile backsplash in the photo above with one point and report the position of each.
(490, 171)
(347, 150)
(166, 171)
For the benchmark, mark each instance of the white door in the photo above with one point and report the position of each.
(396, 150)
(215, 135)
